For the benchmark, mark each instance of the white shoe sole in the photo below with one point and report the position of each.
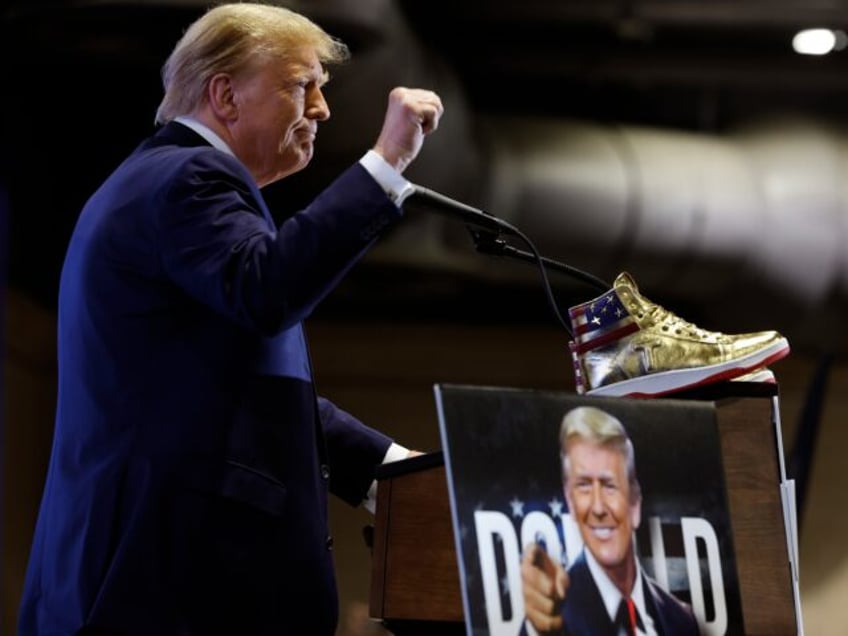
(657, 384)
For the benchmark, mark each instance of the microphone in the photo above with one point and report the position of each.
(446, 206)
(486, 231)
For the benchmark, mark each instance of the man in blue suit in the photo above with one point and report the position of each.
(605, 591)
(187, 486)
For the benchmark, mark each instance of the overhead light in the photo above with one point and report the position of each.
(818, 41)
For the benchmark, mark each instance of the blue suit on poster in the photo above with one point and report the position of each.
(187, 487)
(584, 613)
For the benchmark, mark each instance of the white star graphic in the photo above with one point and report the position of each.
(517, 507)
(556, 507)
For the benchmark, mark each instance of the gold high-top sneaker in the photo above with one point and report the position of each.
(626, 345)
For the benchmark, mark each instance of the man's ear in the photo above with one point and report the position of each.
(636, 514)
(220, 93)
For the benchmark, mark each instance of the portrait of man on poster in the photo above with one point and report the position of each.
(604, 591)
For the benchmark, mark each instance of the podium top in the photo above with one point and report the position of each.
(721, 390)
(410, 465)
(708, 393)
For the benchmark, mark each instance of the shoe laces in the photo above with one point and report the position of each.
(670, 322)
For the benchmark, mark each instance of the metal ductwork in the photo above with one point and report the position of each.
(760, 211)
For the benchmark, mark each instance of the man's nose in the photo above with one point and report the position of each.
(316, 106)
(597, 501)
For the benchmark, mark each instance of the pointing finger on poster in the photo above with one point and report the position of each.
(544, 584)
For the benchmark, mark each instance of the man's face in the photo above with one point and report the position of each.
(598, 496)
(279, 107)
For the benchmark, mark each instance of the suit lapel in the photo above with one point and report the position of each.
(586, 613)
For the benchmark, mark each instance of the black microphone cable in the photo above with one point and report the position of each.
(486, 230)
(491, 243)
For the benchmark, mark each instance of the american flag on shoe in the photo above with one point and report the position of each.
(599, 322)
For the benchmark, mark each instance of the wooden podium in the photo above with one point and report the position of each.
(415, 584)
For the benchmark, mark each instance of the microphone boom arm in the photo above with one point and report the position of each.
(487, 243)
(486, 231)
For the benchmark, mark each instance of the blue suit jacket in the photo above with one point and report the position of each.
(584, 613)
(186, 491)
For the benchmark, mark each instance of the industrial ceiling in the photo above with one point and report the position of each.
(683, 141)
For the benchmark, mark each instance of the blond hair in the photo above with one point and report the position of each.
(230, 38)
(593, 425)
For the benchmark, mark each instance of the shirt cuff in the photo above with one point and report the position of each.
(395, 453)
(396, 187)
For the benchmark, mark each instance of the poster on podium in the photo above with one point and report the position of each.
(619, 498)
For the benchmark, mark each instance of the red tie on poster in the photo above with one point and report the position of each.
(631, 612)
